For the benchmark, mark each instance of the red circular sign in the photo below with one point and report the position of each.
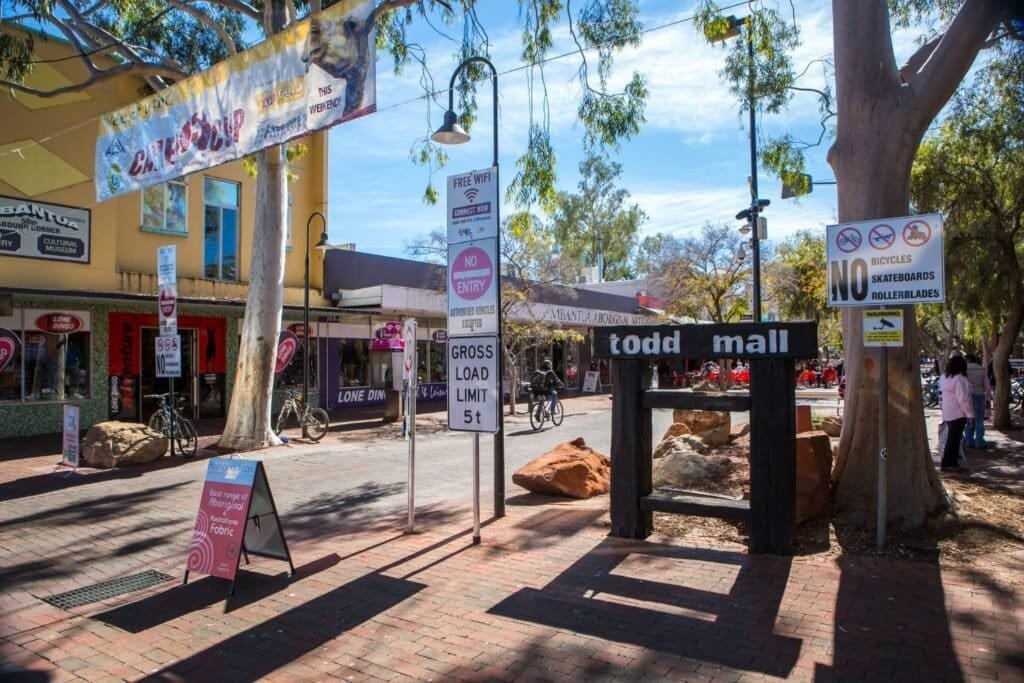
(286, 346)
(59, 323)
(848, 240)
(471, 273)
(7, 349)
(917, 233)
(167, 303)
(882, 237)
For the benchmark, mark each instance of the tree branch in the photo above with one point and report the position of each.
(388, 6)
(242, 8)
(937, 79)
(918, 59)
(209, 22)
(128, 68)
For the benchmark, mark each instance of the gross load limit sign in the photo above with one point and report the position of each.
(473, 397)
(886, 262)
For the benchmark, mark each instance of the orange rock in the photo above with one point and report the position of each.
(711, 425)
(571, 469)
(813, 474)
(676, 429)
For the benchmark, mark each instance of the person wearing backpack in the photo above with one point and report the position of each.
(545, 383)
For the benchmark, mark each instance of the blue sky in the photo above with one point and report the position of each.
(689, 165)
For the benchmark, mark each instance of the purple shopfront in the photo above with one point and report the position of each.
(359, 373)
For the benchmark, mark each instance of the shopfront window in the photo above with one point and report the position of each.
(165, 208)
(438, 362)
(44, 356)
(355, 363)
(220, 229)
(10, 364)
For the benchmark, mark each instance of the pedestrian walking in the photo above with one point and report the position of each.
(956, 410)
(981, 392)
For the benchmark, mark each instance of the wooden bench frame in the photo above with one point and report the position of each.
(771, 510)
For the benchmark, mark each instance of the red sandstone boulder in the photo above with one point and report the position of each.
(571, 469)
(813, 474)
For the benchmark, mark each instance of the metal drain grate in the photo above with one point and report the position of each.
(107, 589)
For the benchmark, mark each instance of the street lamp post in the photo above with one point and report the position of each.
(451, 133)
(756, 205)
(322, 245)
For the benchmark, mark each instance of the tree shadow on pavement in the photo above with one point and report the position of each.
(180, 600)
(275, 643)
(604, 595)
(99, 509)
(355, 510)
(891, 623)
(54, 481)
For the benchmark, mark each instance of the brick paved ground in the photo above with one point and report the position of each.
(546, 596)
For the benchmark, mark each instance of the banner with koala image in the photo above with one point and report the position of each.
(315, 74)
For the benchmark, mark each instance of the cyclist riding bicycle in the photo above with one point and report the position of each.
(544, 384)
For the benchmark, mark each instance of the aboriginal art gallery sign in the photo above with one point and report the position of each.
(45, 231)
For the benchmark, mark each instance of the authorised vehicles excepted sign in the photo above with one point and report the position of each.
(473, 392)
(891, 261)
(883, 328)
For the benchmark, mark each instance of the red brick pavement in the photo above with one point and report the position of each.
(547, 596)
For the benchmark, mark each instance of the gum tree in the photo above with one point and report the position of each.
(880, 112)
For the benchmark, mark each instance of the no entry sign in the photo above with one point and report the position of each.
(891, 261)
(473, 391)
(472, 288)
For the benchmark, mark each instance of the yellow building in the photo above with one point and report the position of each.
(78, 285)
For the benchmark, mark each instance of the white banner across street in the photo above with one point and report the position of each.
(315, 74)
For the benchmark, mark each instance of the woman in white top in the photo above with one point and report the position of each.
(956, 409)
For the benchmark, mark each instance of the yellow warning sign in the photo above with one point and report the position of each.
(883, 327)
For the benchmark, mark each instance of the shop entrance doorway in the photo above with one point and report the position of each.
(184, 386)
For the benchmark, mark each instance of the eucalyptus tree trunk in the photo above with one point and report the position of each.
(248, 422)
(1007, 334)
(883, 112)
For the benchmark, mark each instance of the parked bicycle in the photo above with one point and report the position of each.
(185, 435)
(1017, 392)
(315, 420)
(930, 393)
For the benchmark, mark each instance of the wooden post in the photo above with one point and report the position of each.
(631, 449)
(772, 456)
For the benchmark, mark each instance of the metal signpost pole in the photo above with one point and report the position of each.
(410, 364)
(305, 319)
(883, 426)
(476, 488)
(172, 413)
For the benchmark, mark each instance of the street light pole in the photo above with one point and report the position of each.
(452, 134)
(320, 246)
(755, 244)
(756, 205)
